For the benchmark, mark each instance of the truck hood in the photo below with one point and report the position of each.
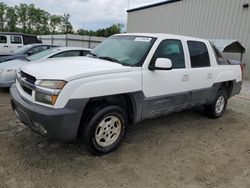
(72, 68)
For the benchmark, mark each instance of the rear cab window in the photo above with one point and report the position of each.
(198, 54)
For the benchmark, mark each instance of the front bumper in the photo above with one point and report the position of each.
(60, 124)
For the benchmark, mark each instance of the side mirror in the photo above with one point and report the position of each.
(162, 64)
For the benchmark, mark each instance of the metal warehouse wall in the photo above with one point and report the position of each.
(211, 19)
(71, 40)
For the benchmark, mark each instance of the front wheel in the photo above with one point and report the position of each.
(105, 130)
(218, 107)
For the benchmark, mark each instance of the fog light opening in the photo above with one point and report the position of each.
(39, 128)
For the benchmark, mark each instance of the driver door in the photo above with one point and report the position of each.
(166, 91)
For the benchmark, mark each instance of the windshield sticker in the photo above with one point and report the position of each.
(142, 39)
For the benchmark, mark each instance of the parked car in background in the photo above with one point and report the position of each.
(10, 42)
(26, 51)
(8, 69)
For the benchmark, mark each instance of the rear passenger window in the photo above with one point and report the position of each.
(37, 49)
(3, 39)
(15, 39)
(171, 49)
(198, 54)
(69, 54)
(85, 52)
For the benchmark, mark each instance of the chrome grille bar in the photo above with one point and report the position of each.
(24, 83)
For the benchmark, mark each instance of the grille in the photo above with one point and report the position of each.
(27, 78)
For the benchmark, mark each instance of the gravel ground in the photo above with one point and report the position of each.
(181, 150)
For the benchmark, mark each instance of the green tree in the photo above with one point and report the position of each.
(22, 13)
(3, 8)
(11, 19)
(45, 17)
(115, 29)
(32, 15)
(106, 32)
(66, 26)
(55, 22)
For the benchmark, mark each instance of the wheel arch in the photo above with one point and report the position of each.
(228, 86)
(126, 101)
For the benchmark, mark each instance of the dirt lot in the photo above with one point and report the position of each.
(181, 150)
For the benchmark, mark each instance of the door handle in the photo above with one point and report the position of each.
(210, 76)
(6, 46)
(185, 77)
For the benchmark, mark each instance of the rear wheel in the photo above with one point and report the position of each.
(218, 107)
(105, 129)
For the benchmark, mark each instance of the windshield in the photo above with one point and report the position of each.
(23, 49)
(42, 54)
(127, 50)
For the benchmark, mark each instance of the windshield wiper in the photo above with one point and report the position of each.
(109, 59)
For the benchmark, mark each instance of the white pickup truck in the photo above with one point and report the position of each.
(124, 80)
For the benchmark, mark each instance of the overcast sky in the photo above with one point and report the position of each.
(90, 14)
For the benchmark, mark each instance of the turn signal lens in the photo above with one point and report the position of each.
(53, 99)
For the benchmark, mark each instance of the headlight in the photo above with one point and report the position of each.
(52, 84)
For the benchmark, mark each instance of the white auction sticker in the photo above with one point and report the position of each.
(142, 39)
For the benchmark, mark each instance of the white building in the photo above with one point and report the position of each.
(211, 19)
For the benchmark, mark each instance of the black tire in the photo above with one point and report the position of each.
(95, 118)
(210, 109)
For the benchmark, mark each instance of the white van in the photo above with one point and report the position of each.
(10, 42)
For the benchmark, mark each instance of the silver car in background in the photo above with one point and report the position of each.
(8, 69)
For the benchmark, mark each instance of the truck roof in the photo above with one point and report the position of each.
(16, 33)
(71, 48)
(158, 35)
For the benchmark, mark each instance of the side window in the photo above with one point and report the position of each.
(173, 50)
(68, 54)
(3, 39)
(198, 54)
(37, 49)
(85, 52)
(15, 39)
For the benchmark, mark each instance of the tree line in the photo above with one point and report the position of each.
(30, 19)
(105, 32)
